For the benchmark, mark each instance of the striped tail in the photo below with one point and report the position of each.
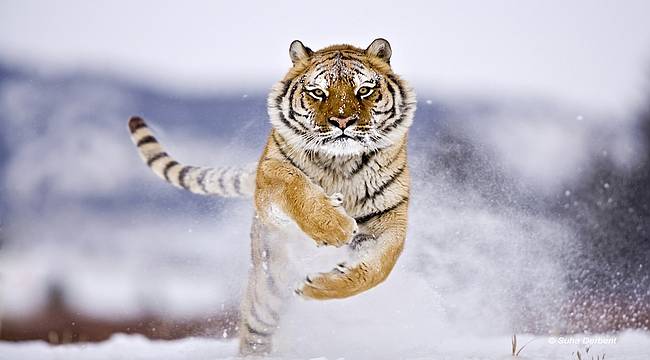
(221, 181)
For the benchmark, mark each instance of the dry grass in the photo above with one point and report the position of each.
(516, 351)
(579, 356)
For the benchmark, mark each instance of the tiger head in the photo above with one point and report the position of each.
(341, 100)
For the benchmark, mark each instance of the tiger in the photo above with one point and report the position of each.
(334, 170)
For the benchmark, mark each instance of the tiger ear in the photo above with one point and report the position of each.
(381, 49)
(298, 51)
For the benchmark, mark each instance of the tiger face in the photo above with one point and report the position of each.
(341, 100)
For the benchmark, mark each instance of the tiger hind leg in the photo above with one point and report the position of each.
(259, 319)
(266, 295)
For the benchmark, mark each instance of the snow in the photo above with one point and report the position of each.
(155, 274)
(628, 346)
(120, 346)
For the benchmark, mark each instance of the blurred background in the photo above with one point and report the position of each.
(531, 201)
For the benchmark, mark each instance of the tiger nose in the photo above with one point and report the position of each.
(342, 123)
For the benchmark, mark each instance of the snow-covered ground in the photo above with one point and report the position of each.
(623, 346)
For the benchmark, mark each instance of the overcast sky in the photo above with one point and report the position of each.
(587, 53)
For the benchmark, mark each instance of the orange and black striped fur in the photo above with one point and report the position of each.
(334, 170)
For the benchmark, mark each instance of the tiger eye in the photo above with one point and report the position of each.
(319, 92)
(364, 91)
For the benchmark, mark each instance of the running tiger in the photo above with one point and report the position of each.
(334, 170)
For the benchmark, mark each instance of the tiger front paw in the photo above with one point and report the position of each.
(328, 223)
(343, 281)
